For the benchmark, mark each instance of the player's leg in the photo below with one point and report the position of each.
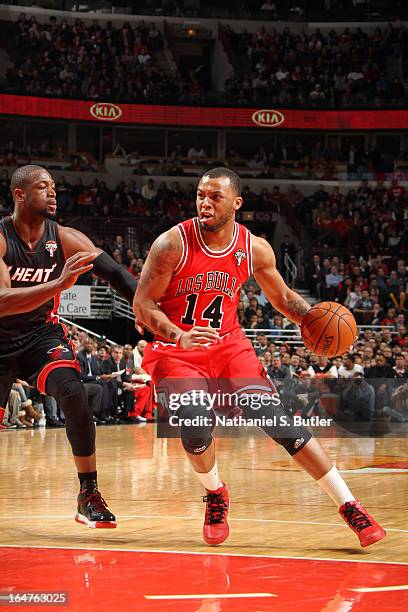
(188, 378)
(65, 385)
(51, 364)
(298, 442)
(215, 529)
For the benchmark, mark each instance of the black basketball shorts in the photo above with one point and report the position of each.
(33, 358)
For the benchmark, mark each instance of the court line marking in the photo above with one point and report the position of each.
(375, 470)
(211, 596)
(400, 587)
(195, 518)
(196, 552)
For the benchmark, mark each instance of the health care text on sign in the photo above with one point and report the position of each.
(75, 302)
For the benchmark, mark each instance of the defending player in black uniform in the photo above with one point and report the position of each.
(38, 259)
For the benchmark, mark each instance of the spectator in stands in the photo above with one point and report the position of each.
(149, 191)
(324, 366)
(349, 367)
(95, 382)
(119, 382)
(262, 344)
(358, 400)
(196, 153)
(397, 411)
(380, 369)
(144, 405)
(278, 372)
(333, 280)
(363, 309)
(287, 247)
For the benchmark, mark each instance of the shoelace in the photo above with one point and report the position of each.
(97, 501)
(355, 517)
(216, 506)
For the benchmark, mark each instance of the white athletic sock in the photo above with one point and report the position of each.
(211, 480)
(335, 487)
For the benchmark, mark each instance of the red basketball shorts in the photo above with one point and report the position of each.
(233, 358)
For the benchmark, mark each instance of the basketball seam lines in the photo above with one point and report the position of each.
(319, 307)
(338, 335)
(334, 312)
(314, 320)
(345, 320)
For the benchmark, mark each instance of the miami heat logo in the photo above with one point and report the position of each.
(57, 352)
(51, 246)
(239, 256)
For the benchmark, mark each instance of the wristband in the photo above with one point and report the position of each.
(178, 340)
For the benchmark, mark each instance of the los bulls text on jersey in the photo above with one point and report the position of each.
(205, 287)
(28, 268)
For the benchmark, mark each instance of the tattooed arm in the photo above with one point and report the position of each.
(288, 302)
(164, 255)
(158, 270)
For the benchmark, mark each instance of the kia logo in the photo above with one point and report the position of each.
(268, 118)
(105, 111)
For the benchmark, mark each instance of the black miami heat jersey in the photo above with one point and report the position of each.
(28, 268)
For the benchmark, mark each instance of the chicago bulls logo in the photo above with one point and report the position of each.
(239, 256)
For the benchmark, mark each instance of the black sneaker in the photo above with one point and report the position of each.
(52, 422)
(93, 511)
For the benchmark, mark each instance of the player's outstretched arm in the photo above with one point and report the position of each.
(15, 300)
(284, 299)
(103, 266)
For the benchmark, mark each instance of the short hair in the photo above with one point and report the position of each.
(23, 176)
(222, 171)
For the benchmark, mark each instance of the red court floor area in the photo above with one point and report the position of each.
(137, 580)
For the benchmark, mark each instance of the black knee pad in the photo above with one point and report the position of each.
(196, 424)
(278, 423)
(65, 385)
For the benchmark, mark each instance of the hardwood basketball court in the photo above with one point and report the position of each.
(288, 546)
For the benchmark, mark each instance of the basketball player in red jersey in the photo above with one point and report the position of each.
(188, 295)
(38, 259)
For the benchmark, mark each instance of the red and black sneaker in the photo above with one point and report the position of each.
(215, 529)
(93, 510)
(358, 519)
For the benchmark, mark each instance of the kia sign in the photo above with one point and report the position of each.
(200, 116)
(105, 111)
(268, 118)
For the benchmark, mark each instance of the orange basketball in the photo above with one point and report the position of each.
(329, 329)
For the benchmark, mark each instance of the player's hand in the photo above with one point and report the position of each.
(75, 266)
(139, 327)
(129, 386)
(107, 377)
(198, 337)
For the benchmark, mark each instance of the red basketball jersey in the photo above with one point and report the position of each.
(206, 285)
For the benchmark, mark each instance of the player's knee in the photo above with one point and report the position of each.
(196, 425)
(278, 423)
(65, 384)
(293, 445)
(196, 446)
